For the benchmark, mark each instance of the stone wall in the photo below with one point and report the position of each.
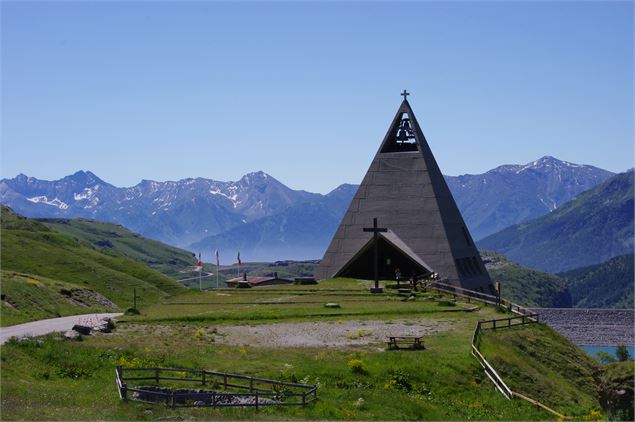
(594, 327)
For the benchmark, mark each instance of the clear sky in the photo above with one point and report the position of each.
(306, 91)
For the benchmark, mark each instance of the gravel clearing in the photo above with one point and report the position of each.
(328, 333)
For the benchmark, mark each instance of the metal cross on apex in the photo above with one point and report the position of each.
(405, 94)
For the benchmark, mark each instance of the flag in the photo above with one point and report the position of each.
(199, 264)
(239, 258)
(217, 259)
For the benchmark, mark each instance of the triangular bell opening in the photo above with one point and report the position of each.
(401, 136)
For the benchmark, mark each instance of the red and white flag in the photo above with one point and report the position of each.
(199, 264)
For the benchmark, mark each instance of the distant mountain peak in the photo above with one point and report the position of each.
(86, 178)
(254, 177)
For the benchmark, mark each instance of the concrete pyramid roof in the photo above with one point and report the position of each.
(405, 189)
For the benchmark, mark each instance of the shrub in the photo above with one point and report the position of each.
(199, 333)
(132, 311)
(622, 353)
(357, 366)
(605, 357)
(32, 282)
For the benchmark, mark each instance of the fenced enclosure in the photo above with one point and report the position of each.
(226, 390)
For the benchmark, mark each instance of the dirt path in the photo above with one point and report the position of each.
(45, 326)
(327, 333)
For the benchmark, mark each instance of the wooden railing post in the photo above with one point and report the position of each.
(251, 385)
(156, 375)
(203, 377)
(257, 400)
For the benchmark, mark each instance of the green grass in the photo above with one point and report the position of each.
(28, 298)
(29, 247)
(75, 380)
(116, 240)
(538, 362)
(291, 302)
(527, 287)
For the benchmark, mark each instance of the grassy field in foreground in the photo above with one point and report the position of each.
(287, 302)
(75, 380)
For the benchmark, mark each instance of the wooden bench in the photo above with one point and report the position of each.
(412, 342)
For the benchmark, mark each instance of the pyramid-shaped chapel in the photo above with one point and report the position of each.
(425, 232)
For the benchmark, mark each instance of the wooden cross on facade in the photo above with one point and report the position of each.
(375, 231)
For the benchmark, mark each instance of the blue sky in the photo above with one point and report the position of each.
(306, 91)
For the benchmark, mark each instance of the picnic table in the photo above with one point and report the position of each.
(411, 342)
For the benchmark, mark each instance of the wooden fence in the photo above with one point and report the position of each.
(249, 391)
(524, 317)
(479, 296)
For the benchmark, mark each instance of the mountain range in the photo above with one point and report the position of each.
(594, 227)
(267, 220)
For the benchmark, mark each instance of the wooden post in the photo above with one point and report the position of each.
(498, 294)
(225, 380)
(494, 321)
(156, 375)
(251, 385)
(257, 400)
(203, 377)
(214, 399)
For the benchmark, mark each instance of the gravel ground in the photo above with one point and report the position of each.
(45, 326)
(328, 333)
(593, 327)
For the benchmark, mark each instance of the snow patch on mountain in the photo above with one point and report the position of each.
(55, 202)
(86, 193)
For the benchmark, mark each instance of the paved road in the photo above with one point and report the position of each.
(45, 326)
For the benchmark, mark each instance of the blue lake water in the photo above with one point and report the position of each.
(592, 350)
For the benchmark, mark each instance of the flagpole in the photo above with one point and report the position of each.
(217, 267)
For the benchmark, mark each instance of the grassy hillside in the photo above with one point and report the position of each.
(591, 229)
(27, 298)
(357, 378)
(606, 285)
(31, 248)
(525, 286)
(536, 361)
(116, 240)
